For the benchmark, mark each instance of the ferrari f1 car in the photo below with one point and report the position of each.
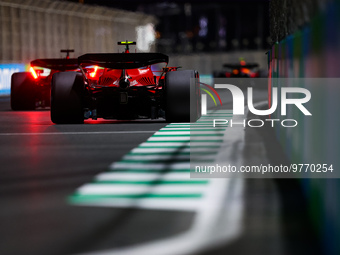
(32, 89)
(125, 86)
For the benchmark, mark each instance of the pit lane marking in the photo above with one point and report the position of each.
(166, 151)
(154, 183)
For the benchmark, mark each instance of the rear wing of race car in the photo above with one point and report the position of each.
(122, 60)
(57, 63)
(126, 43)
(236, 66)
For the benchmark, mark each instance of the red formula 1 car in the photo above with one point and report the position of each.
(32, 89)
(239, 70)
(125, 86)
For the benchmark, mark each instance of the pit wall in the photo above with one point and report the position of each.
(314, 52)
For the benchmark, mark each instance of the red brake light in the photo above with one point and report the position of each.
(34, 74)
(245, 70)
(93, 74)
(235, 71)
(254, 75)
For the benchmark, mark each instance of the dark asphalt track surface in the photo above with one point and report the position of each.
(39, 171)
(41, 164)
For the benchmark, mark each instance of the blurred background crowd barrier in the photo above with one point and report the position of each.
(31, 29)
(39, 28)
(307, 35)
(200, 35)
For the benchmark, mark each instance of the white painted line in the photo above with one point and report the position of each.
(181, 144)
(172, 150)
(215, 116)
(184, 138)
(190, 132)
(190, 128)
(156, 157)
(157, 166)
(181, 123)
(220, 111)
(160, 150)
(170, 204)
(143, 176)
(189, 125)
(202, 125)
(168, 157)
(77, 133)
(130, 189)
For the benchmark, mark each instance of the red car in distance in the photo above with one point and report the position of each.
(30, 90)
(239, 70)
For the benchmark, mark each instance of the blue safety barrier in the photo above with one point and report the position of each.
(6, 71)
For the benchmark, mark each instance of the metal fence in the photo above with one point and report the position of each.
(288, 16)
(31, 29)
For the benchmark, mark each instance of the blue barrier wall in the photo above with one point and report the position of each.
(313, 51)
(6, 71)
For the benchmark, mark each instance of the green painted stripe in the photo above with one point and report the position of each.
(214, 116)
(154, 182)
(187, 141)
(159, 153)
(200, 126)
(188, 135)
(185, 124)
(171, 147)
(83, 198)
(174, 153)
(142, 170)
(224, 113)
(167, 161)
(148, 161)
(188, 126)
(206, 121)
(193, 130)
(181, 147)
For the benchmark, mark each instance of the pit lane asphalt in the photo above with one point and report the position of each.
(39, 170)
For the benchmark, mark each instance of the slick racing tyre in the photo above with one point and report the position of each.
(182, 96)
(66, 98)
(22, 92)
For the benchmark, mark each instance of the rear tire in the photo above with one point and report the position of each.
(22, 92)
(66, 98)
(182, 97)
